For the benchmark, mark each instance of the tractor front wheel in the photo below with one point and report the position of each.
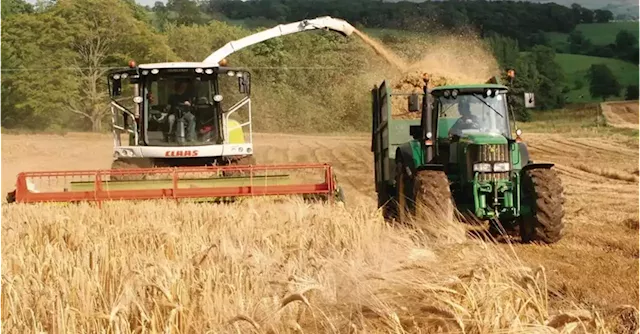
(543, 193)
(428, 196)
(433, 198)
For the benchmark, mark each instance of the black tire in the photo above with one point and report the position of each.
(542, 191)
(425, 196)
(433, 198)
(387, 203)
(403, 194)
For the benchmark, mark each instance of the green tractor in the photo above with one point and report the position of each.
(458, 156)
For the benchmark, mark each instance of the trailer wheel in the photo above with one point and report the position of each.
(401, 208)
(433, 198)
(543, 193)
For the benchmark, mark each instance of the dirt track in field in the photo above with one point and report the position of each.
(596, 263)
(623, 114)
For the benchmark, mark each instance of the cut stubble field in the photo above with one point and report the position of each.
(194, 267)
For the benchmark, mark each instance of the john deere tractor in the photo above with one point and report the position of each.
(459, 156)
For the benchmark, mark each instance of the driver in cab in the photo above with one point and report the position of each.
(466, 121)
(182, 97)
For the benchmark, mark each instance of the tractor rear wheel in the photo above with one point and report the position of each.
(543, 193)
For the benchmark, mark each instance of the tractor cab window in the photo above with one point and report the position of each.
(180, 110)
(469, 113)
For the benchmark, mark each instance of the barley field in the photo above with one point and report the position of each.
(267, 266)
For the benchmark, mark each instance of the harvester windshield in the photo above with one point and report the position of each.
(475, 112)
(184, 106)
(190, 108)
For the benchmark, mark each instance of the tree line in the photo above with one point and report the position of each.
(56, 54)
(523, 21)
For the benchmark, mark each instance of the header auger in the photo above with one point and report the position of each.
(184, 130)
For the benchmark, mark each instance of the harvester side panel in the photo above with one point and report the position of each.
(175, 183)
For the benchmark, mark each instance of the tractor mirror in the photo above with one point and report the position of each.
(116, 88)
(529, 100)
(414, 103)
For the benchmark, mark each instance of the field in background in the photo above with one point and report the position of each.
(598, 33)
(575, 68)
(201, 265)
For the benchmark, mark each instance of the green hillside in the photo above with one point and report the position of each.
(576, 66)
(598, 33)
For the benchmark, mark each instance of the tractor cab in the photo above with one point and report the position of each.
(179, 104)
(470, 114)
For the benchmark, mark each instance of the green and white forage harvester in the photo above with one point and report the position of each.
(463, 157)
(183, 130)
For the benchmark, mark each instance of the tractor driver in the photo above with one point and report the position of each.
(466, 121)
(182, 96)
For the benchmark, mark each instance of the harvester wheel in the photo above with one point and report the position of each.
(433, 198)
(543, 193)
(244, 161)
(126, 164)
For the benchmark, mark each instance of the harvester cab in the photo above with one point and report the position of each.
(464, 154)
(176, 114)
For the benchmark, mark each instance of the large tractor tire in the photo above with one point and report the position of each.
(426, 195)
(543, 193)
(433, 195)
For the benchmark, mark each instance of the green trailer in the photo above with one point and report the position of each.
(458, 156)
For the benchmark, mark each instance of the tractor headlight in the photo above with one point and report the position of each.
(217, 98)
(501, 167)
(482, 167)
(429, 135)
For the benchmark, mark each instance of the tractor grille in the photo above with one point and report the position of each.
(490, 153)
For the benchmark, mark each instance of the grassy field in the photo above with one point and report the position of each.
(598, 33)
(292, 267)
(576, 66)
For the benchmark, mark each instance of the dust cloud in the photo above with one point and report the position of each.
(447, 59)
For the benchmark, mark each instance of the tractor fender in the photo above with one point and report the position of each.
(413, 159)
(539, 165)
(404, 153)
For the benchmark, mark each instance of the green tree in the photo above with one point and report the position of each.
(550, 81)
(12, 7)
(187, 11)
(603, 16)
(602, 82)
(625, 40)
(632, 92)
(104, 33)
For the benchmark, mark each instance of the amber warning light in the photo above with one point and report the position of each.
(132, 63)
(511, 73)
